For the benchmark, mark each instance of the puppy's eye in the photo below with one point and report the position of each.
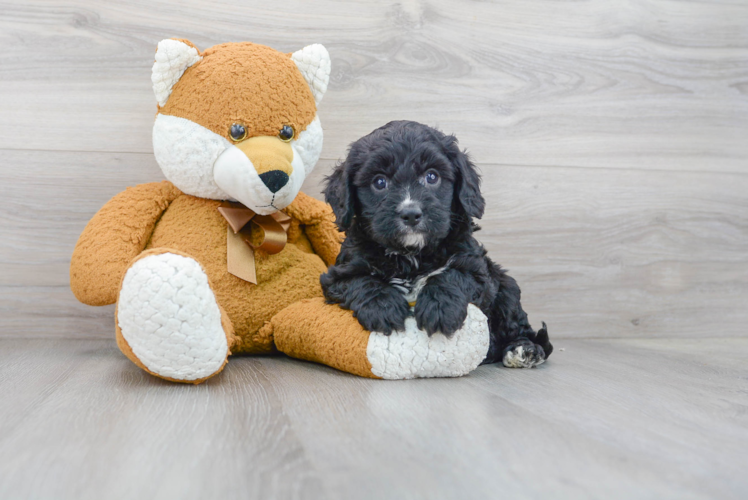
(379, 182)
(286, 133)
(432, 177)
(237, 132)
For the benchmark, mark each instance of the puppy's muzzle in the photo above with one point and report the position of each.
(411, 215)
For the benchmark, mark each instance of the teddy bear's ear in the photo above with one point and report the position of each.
(173, 57)
(314, 63)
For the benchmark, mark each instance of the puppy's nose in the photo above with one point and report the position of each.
(274, 180)
(411, 215)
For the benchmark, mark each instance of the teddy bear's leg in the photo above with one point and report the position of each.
(324, 333)
(168, 321)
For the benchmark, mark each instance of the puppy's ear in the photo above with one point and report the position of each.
(467, 183)
(339, 194)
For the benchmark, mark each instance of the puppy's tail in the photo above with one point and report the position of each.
(544, 341)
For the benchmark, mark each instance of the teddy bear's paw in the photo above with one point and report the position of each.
(169, 317)
(413, 353)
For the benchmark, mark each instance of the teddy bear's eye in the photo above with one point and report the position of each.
(237, 132)
(286, 133)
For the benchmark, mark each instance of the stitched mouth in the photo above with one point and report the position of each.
(270, 204)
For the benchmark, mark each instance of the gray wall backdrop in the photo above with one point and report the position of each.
(612, 137)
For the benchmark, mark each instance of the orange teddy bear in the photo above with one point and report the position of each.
(225, 256)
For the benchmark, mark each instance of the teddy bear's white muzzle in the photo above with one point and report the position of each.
(264, 193)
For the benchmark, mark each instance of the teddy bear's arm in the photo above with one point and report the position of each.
(113, 238)
(319, 226)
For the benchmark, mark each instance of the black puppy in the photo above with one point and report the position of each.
(406, 197)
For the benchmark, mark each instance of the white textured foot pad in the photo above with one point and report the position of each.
(169, 316)
(413, 354)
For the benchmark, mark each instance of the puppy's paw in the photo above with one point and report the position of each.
(384, 313)
(523, 353)
(436, 311)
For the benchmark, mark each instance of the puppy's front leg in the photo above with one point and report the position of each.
(378, 306)
(442, 304)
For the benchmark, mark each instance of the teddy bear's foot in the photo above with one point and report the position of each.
(324, 333)
(168, 320)
(412, 353)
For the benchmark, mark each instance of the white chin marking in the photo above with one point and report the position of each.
(416, 240)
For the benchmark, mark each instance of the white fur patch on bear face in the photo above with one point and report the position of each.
(308, 145)
(186, 153)
(235, 174)
(204, 164)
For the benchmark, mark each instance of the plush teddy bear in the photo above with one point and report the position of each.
(225, 256)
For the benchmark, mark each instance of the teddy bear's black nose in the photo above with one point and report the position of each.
(274, 180)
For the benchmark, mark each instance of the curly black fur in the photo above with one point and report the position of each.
(410, 235)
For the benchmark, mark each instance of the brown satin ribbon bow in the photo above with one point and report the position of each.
(240, 252)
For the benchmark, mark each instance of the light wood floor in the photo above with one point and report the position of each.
(637, 418)
(613, 140)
